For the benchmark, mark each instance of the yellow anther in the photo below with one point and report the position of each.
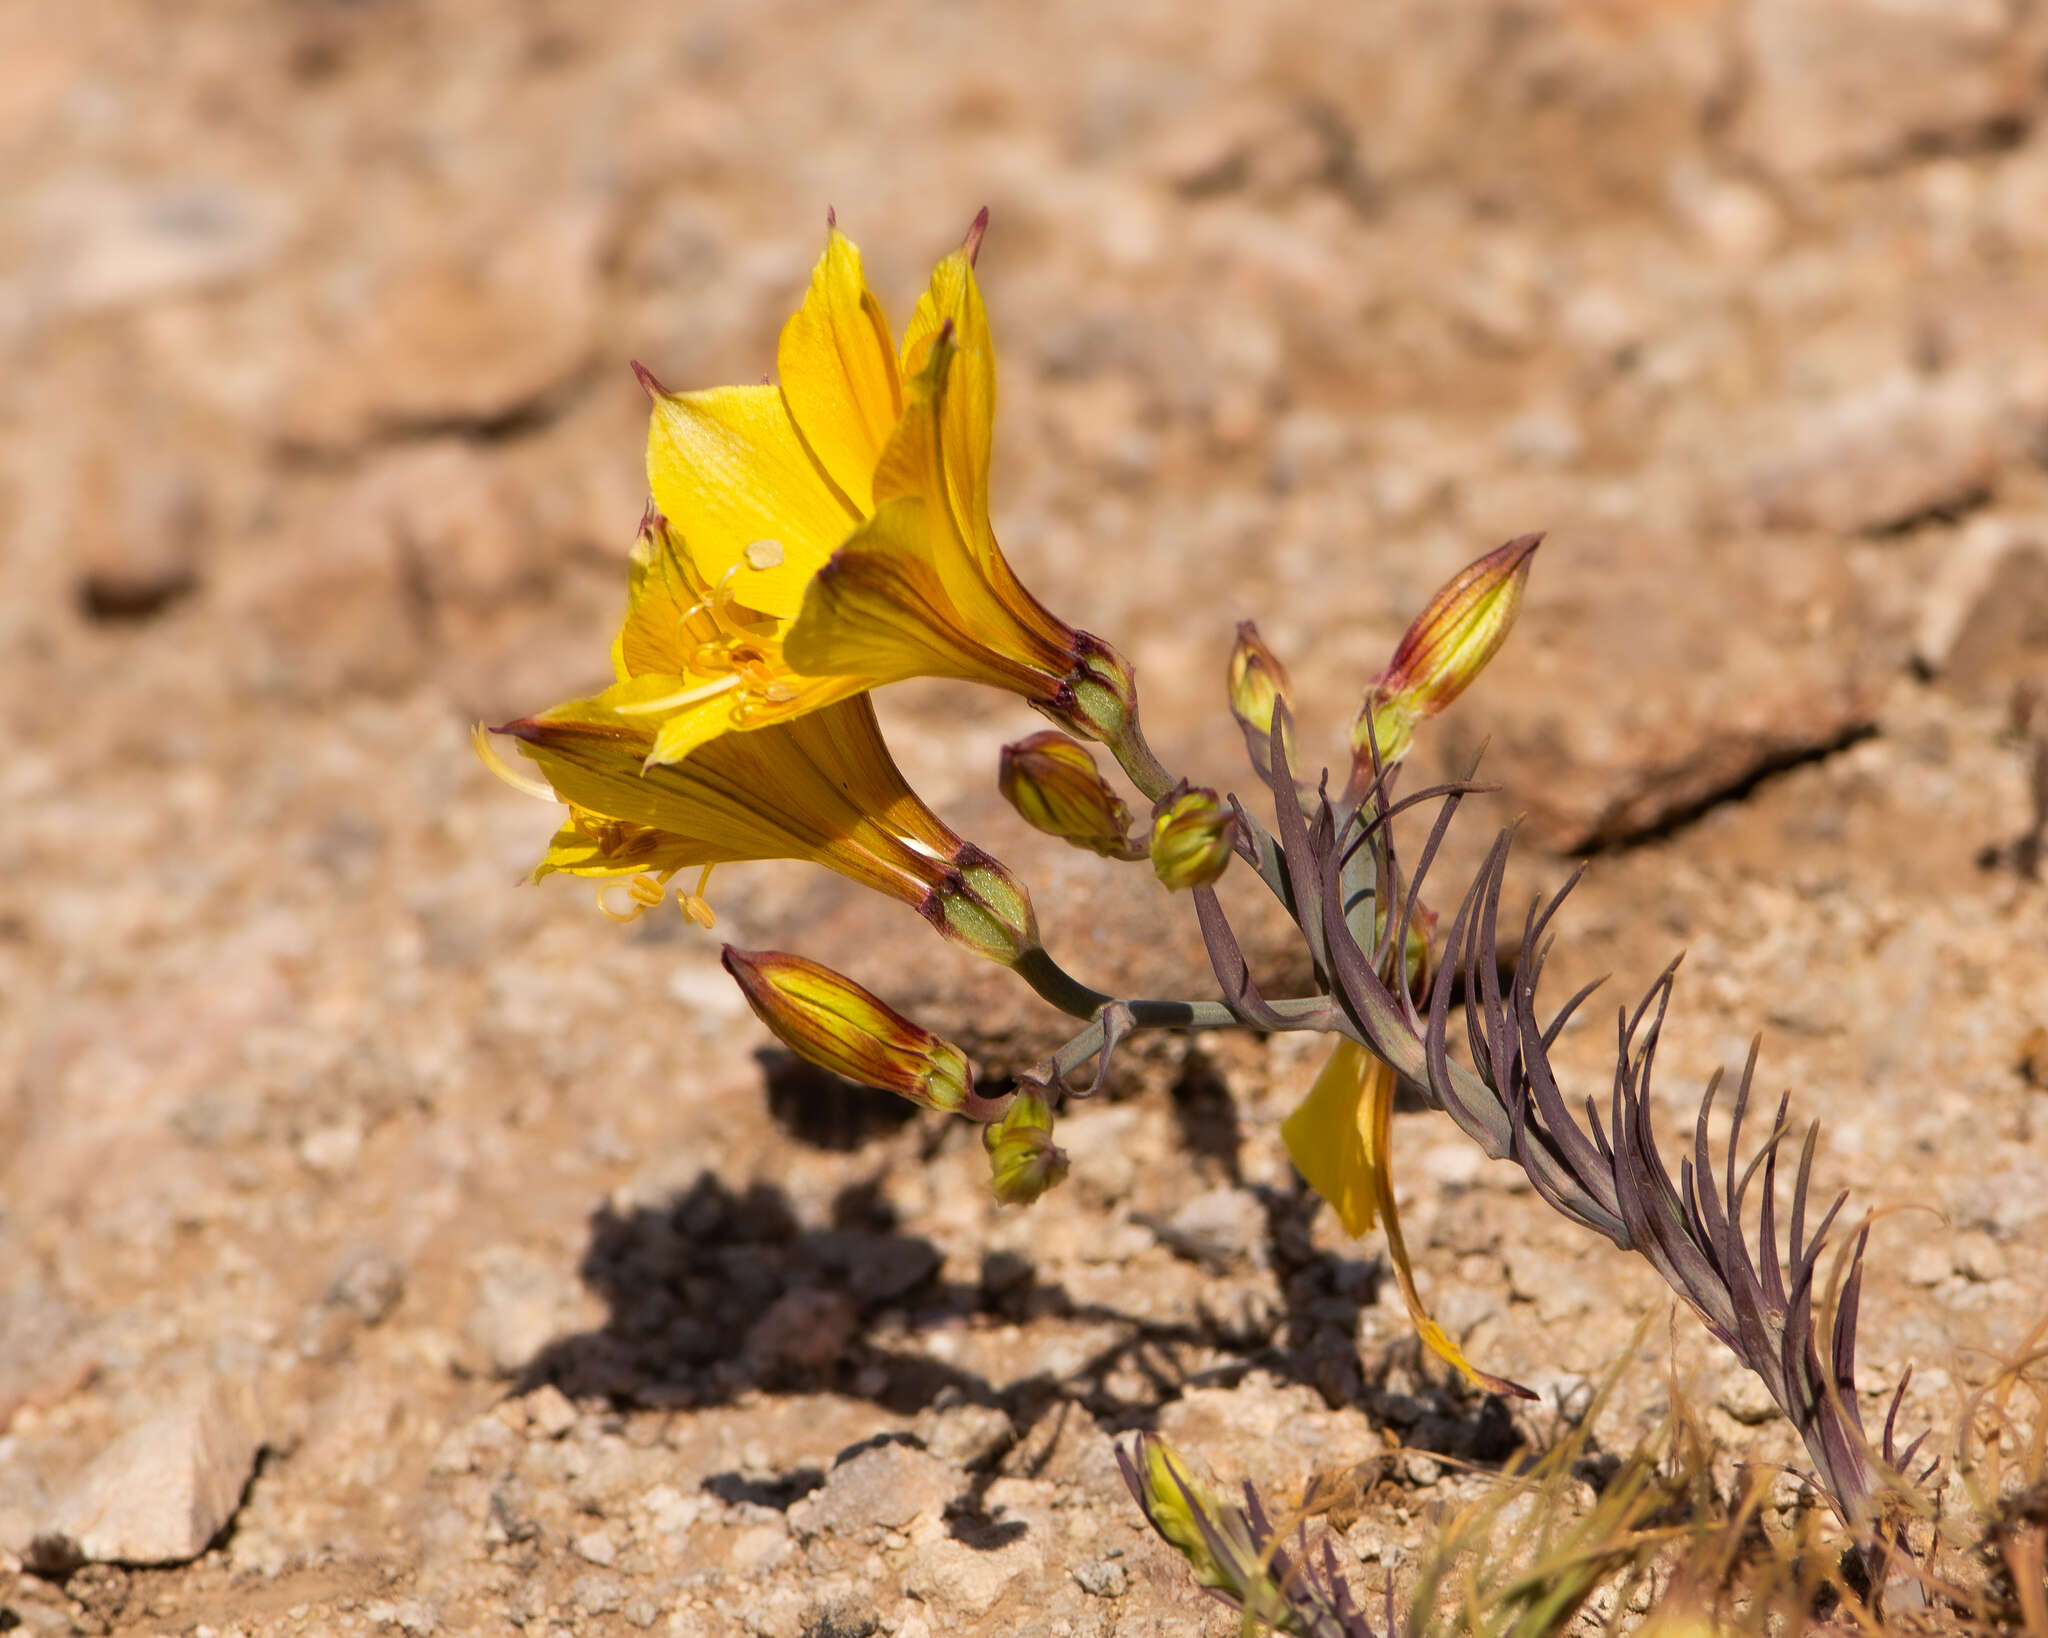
(644, 890)
(763, 554)
(696, 906)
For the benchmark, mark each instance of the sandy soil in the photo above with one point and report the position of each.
(471, 1255)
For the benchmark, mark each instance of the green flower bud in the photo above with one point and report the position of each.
(832, 1022)
(1192, 834)
(1051, 780)
(1214, 1538)
(1023, 1160)
(1444, 650)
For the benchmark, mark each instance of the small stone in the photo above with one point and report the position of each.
(368, 1285)
(407, 1614)
(1745, 1398)
(1978, 1257)
(549, 1411)
(597, 1594)
(641, 1611)
(967, 1436)
(959, 1581)
(1926, 1264)
(760, 1548)
(806, 1328)
(520, 1305)
(597, 1547)
(1219, 1229)
(1103, 1577)
(165, 1489)
(332, 1151)
(883, 1487)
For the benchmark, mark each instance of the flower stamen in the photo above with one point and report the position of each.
(646, 891)
(695, 906)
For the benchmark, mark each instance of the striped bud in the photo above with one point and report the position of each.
(1192, 832)
(832, 1022)
(1052, 781)
(1444, 650)
(1258, 686)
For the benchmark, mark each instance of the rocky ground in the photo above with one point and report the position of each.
(384, 1246)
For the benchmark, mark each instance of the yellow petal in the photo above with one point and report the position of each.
(881, 609)
(839, 372)
(1330, 1144)
(1359, 1156)
(702, 720)
(729, 470)
(968, 406)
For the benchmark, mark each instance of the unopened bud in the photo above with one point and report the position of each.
(1023, 1160)
(981, 905)
(1258, 686)
(832, 1022)
(1192, 835)
(1213, 1537)
(1444, 650)
(1052, 781)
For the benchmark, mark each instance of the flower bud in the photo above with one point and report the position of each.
(1447, 646)
(832, 1022)
(981, 905)
(1213, 1537)
(1258, 686)
(1192, 834)
(1023, 1160)
(1051, 780)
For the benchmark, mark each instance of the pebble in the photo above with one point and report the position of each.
(1220, 1229)
(883, 1487)
(1102, 1577)
(162, 1491)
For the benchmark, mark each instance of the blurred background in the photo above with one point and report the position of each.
(321, 1139)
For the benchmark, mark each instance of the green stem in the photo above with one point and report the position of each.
(1055, 984)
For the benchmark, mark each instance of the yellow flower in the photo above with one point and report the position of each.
(821, 788)
(879, 457)
(1341, 1140)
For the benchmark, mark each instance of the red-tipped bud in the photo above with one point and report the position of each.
(1444, 650)
(1023, 1160)
(834, 1023)
(1192, 835)
(1259, 686)
(1052, 781)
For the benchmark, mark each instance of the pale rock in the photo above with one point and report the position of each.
(1984, 612)
(1876, 456)
(1839, 85)
(960, 1582)
(597, 1547)
(1220, 1229)
(165, 1489)
(1621, 708)
(966, 1436)
(884, 1487)
(1103, 1577)
(478, 328)
(521, 1305)
(95, 242)
(549, 1411)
